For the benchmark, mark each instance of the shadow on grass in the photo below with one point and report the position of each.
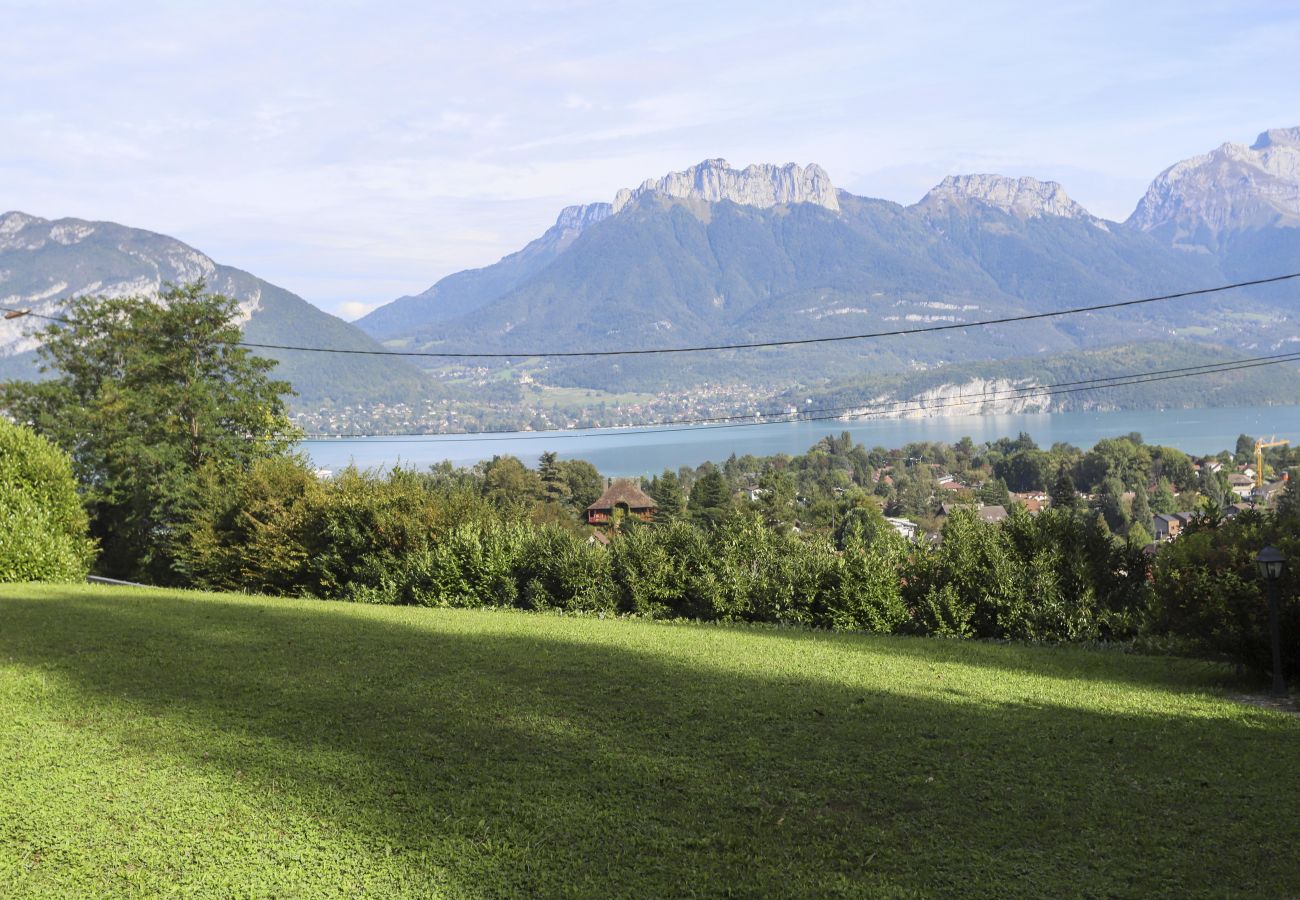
(524, 762)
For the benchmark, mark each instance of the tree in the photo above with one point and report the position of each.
(583, 481)
(1163, 500)
(1288, 503)
(1140, 514)
(1027, 470)
(554, 488)
(145, 396)
(994, 493)
(1245, 451)
(42, 521)
(1110, 505)
(666, 491)
(777, 500)
(1062, 492)
(710, 499)
(510, 484)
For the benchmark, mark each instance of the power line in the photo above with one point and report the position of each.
(855, 411)
(950, 326)
(787, 343)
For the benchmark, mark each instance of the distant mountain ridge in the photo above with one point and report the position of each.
(44, 262)
(713, 254)
(714, 181)
(1232, 188)
(1024, 198)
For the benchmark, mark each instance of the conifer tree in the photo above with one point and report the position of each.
(1062, 492)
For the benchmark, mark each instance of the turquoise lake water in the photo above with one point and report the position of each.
(646, 452)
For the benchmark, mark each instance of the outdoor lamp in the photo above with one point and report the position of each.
(1270, 561)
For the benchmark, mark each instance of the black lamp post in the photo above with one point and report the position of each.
(1271, 562)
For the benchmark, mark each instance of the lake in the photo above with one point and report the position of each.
(649, 451)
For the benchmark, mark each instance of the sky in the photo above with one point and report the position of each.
(357, 152)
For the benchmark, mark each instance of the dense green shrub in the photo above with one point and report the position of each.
(434, 539)
(470, 564)
(1207, 590)
(869, 595)
(557, 568)
(666, 571)
(967, 586)
(42, 522)
(260, 534)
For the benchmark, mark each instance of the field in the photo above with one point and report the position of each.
(211, 745)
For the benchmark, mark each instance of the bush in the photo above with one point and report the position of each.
(42, 522)
(666, 571)
(869, 595)
(556, 568)
(1207, 590)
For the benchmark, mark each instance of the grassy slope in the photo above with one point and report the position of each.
(160, 741)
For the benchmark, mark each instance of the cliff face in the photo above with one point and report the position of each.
(976, 397)
(1233, 188)
(758, 185)
(44, 262)
(1024, 198)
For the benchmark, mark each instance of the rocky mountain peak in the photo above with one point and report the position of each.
(756, 185)
(576, 218)
(1025, 198)
(1231, 188)
(1285, 137)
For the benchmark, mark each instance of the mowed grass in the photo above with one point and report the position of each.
(212, 745)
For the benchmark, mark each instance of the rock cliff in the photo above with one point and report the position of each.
(758, 185)
(1024, 198)
(1232, 188)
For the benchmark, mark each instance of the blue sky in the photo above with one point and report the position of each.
(354, 152)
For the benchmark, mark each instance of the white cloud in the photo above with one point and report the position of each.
(354, 155)
(351, 310)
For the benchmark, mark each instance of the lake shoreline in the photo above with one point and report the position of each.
(632, 452)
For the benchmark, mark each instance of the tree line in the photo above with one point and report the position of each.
(165, 455)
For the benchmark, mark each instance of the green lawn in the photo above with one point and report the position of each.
(211, 745)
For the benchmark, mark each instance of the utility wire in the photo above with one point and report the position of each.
(857, 411)
(950, 326)
(866, 407)
(787, 343)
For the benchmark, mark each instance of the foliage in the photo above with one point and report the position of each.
(145, 397)
(1208, 589)
(583, 482)
(710, 500)
(666, 491)
(42, 522)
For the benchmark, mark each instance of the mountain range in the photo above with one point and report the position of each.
(714, 254)
(44, 262)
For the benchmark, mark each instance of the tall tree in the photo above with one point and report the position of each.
(1062, 491)
(1110, 505)
(145, 396)
(583, 481)
(666, 491)
(710, 499)
(1140, 514)
(510, 484)
(554, 488)
(994, 493)
(776, 503)
(1288, 503)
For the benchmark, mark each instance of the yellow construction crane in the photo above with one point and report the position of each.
(1259, 456)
